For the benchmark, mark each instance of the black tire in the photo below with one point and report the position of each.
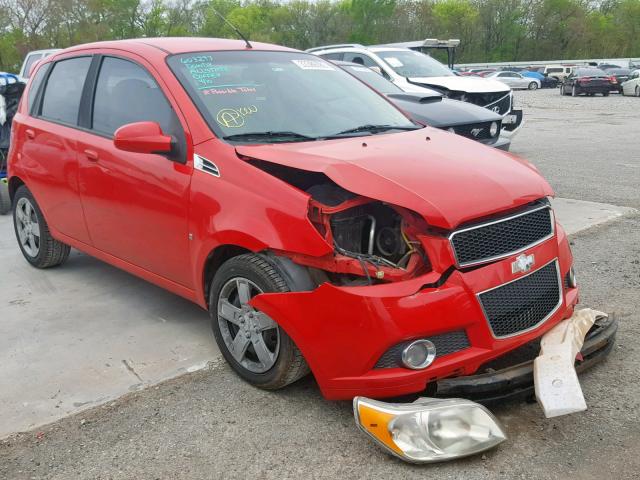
(605, 94)
(574, 91)
(51, 252)
(5, 199)
(637, 91)
(262, 271)
(533, 86)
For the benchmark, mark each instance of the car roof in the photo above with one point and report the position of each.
(176, 45)
(49, 50)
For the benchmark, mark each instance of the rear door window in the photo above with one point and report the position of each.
(61, 102)
(332, 56)
(126, 93)
(360, 59)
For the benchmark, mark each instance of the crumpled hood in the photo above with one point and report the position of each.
(446, 178)
(463, 84)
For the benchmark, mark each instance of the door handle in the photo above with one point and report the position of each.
(91, 155)
(30, 134)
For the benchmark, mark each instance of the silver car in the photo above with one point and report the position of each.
(515, 80)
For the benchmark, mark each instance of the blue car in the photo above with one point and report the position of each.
(546, 82)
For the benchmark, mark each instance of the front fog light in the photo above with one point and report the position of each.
(419, 354)
(493, 129)
(429, 429)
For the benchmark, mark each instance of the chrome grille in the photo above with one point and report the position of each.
(503, 237)
(523, 304)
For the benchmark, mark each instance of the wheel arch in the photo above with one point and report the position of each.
(297, 276)
(214, 260)
(15, 182)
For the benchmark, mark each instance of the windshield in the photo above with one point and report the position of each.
(409, 63)
(263, 97)
(373, 79)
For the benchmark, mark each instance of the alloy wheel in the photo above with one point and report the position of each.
(28, 227)
(251, 336)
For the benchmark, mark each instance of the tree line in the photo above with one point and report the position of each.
(489, 30)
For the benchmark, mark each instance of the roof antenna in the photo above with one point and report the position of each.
(233, 27)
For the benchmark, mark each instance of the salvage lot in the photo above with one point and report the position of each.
(210, 424)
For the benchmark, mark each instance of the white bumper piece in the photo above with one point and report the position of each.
(556, 382)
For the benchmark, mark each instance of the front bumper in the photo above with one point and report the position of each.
(511, 376)
(344, 331)
(512, 122)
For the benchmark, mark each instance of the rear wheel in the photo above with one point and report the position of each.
(39, 248)
(533, 86)
(252, 342)
(574, 91)
(637, 91)
(605, 94)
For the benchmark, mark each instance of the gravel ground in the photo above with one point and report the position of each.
(587, 147)
(212, 425)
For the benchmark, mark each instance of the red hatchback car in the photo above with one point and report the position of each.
(321, 228)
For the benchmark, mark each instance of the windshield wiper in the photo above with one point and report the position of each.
(282, 136)
(370, 129)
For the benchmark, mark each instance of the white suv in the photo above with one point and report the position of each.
(412, 71)
(31, 59)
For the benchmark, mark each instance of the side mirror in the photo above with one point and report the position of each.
(378, 70)
(142, 137)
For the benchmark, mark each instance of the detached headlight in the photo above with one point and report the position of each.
(493, 129)
(429, 430)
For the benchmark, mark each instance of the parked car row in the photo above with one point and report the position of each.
(602, 78)
(415, 72)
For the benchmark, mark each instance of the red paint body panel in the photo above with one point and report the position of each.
(161, 220)
(448, 182)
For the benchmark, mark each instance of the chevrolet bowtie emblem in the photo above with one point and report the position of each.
(523, 263)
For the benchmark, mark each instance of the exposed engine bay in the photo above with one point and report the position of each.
(376, 234)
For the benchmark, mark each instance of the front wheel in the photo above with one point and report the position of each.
(533, 86)
(605, 94)
(574, 91)
(38, 247)
(638, 91)
(252, 342)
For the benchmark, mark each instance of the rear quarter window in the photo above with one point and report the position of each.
(36, 83)
(61, 101)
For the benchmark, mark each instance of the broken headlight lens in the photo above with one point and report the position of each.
(429, 429)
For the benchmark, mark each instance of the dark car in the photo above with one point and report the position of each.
(587, 80)
(621, 75)
(458, 117)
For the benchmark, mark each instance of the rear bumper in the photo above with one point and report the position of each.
(511, 376)
(344, 331)
(594, 89)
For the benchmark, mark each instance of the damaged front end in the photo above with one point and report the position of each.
(401, 304)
